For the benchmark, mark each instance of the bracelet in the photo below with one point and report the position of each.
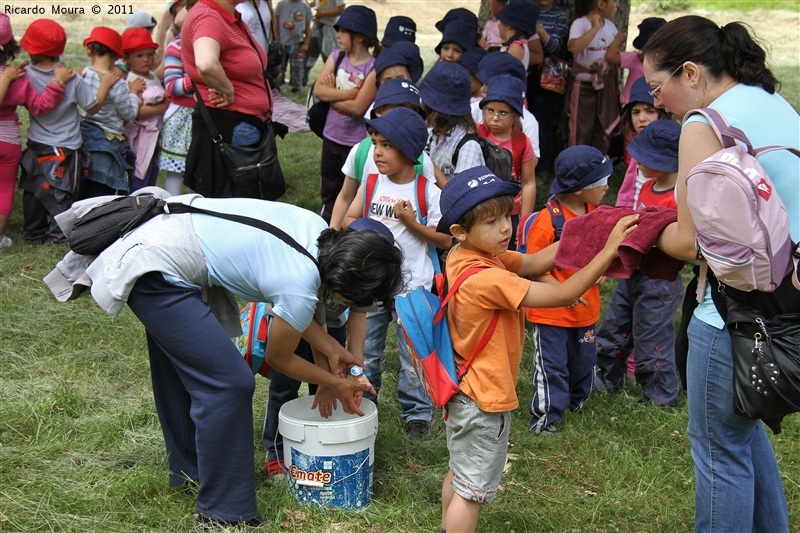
(58, 82)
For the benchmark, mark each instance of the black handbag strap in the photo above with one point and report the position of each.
(178, 208)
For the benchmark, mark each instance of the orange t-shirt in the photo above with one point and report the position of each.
(492, 377)
(541, 235)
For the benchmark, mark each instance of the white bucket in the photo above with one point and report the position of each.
(329, 460)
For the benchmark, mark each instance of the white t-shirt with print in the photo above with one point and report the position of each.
(596, 50)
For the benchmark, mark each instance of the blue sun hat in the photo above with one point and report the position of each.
(401, 53)
(520, 14)
(403, 128)
(459, 32)
(448, 89)
(369, 224)
(500, 63)
(505, 88)
(471, 59)
(467, 189)
(458, 13)
(396, 92)
(580, 167)
(646, 29)
(656, 146)
(358, 19)
(399, 29)
(640, 92)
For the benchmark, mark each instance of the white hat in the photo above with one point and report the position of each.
(140, 19)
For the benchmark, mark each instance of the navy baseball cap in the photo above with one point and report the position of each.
(459, 32)
(520, 14)
(500, 63)
(399, 29)
(401, 53)
(505, 88)
(471, 59)
(359, 19)
(396, 92)
(403, 128)
(364, 223)
(656, 146)
(640, 92)
(579, 167)
(447, 88)
(458, 13)
(467, 189)
(647, 28)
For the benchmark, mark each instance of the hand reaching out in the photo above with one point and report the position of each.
(624, 227)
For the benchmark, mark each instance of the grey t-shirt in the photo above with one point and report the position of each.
(292, 19)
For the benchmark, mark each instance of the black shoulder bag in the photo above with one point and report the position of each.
(252, 171)
(317, 110)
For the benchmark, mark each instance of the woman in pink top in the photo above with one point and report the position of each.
(15, 90)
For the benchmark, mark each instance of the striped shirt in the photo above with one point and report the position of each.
(179, 86)
(119, 106)
(554, 22)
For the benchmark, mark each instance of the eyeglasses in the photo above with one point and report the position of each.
(656, 93)
(498, 114)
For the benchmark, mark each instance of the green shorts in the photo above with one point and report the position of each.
(478, 445)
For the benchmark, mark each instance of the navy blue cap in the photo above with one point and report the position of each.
(459, 32)
(467, 189)
(401, 53)
(647, 28)
(396, 92)
(359, 19)
(656, 146)
(500, 63)
(640, 92)
(505, 88)
(403, 128)
(458, 13)
(471, 58)
(579, 166)
(520, 14)
(447, 88)
(399, 29)
(364, 223)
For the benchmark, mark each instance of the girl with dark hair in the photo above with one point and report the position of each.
(693, 63)
(179, 275)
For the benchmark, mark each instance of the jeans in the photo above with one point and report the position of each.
(738, 485)
(245, 134)
(414, 401)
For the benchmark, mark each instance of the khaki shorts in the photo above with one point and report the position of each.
(478, 444)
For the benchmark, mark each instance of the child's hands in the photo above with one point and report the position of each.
(136, 86)
(328, 79)
(63, 73)
(624, 227)
(576, 303)
(601, 280)
(596, 19)
(621, 37)
(13, 72)
(404, 211)
(108, 79)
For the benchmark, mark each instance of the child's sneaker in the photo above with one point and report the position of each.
(274, 467)
(5, 242)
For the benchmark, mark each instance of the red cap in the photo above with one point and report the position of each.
(137, 39)
(44, 37)
(109, 38)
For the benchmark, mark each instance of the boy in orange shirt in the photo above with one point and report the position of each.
(565, 353)
(476, 207)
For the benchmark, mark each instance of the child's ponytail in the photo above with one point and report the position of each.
(746, 60)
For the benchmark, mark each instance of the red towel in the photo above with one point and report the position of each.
(584, 236)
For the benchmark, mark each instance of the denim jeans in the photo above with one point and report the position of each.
(414, 401)
(245, 134)
(738, 485)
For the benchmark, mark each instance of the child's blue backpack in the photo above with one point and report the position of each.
(253, 341)
(423, 321)
(556, 215)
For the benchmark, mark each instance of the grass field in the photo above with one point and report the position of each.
(81, 448)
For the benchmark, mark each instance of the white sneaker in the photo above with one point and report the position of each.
(5, 242)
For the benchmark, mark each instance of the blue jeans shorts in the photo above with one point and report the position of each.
(478, 445)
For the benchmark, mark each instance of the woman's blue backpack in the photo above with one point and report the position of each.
(253, 341)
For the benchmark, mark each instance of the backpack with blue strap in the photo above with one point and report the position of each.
(556, 216)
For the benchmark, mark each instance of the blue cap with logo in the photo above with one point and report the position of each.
(403, 128)
(365, 223)
(467, 189)
(505, 88)
(399, 29)
(656, 146)
(401, 53)
(396, 92)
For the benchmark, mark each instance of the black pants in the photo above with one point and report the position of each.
(334, 156)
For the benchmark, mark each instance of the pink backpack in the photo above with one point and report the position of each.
(742, 225)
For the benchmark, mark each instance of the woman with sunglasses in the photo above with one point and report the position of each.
(693, 63)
